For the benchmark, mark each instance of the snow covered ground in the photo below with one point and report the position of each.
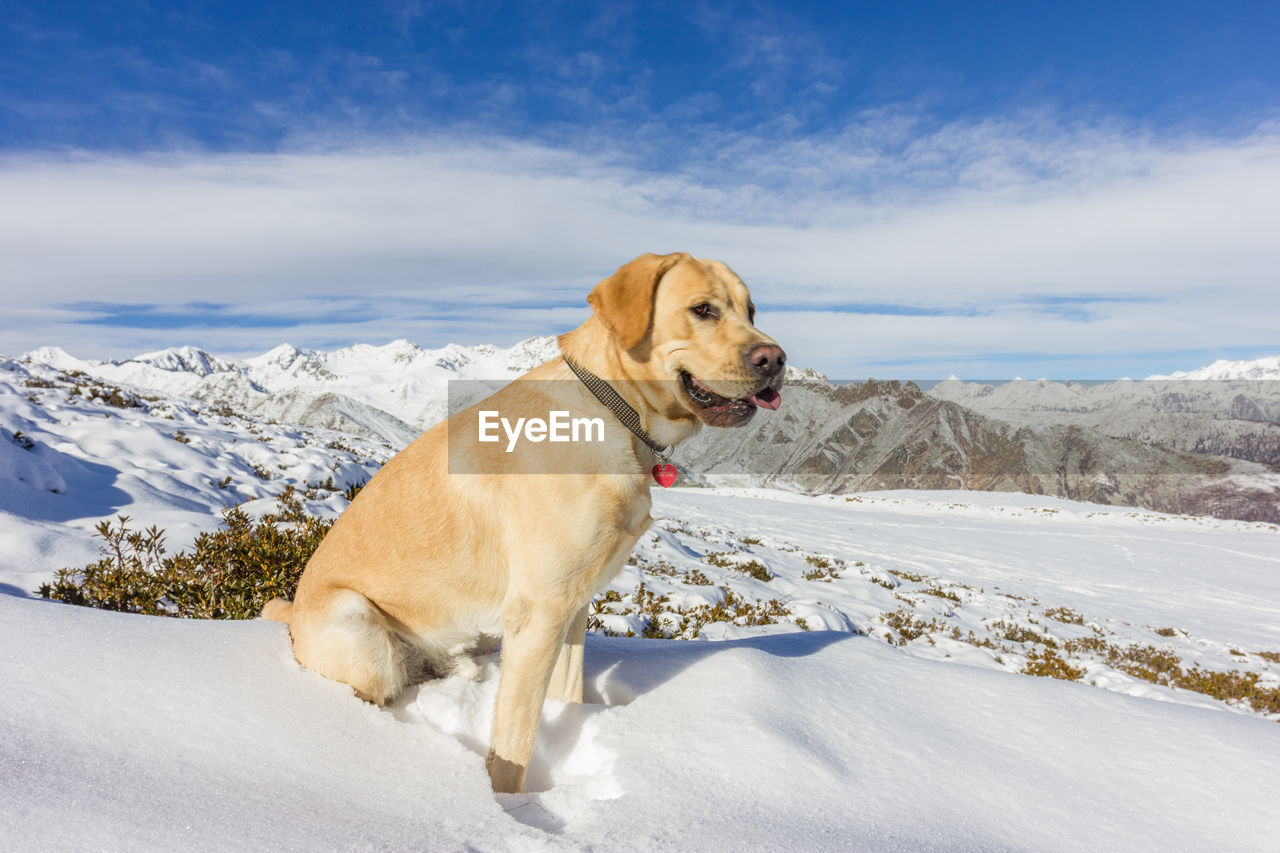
(900, 719)
(125, 731)
(128, 731)
(71, 455)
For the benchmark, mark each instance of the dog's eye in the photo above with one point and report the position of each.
(703, 309)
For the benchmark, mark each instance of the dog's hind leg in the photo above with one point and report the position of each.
(347, 638)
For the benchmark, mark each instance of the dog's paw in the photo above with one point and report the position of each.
(527, 809)
(465, 666)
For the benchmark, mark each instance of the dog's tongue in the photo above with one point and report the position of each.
(768, 398)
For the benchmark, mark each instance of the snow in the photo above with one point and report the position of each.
(1212, 578)
(139, 732)
(80, 461)
(400, 378)
(56, 357)
(1228, 409)
(122, 731)
(189, 359)
(1224, 369)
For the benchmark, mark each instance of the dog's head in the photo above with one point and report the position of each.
(690, 323)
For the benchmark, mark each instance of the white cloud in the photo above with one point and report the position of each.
(852, 346)
(970, 217)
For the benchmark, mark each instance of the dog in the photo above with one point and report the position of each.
(457, 542)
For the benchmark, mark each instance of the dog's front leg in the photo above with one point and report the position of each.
(533, 634)
(566, 678)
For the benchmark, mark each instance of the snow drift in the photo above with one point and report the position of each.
(126, 732)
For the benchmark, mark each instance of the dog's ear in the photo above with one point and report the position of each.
(624, 300)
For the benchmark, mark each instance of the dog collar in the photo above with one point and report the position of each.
(664, 472)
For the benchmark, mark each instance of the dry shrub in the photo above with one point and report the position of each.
(228, 574)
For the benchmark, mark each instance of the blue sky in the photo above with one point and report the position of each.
(911, 189)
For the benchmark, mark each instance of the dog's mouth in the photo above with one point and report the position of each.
(716, 410)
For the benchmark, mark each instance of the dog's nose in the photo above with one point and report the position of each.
(767, 359)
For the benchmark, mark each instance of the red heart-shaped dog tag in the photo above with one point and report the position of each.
(664, 473)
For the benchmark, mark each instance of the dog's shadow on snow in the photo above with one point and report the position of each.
(619, 670)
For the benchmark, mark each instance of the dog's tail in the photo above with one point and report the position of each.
(277, 609)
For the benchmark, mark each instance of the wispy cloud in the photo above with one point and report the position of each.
(894, 238)
(783, 59)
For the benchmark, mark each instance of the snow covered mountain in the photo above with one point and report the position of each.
(391, 392)
(890, 435)
(1224, 370)
(1159, 445)
(1226, 409)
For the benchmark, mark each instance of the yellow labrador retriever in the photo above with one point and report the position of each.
(458, 541)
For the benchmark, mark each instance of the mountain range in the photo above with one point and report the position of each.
(1203, 442)
(1210, 411)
